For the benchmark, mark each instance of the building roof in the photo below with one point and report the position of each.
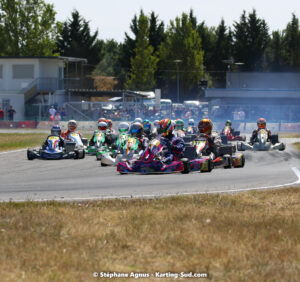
(67, 59)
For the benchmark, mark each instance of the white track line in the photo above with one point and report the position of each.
(15, 151)
(295, 170)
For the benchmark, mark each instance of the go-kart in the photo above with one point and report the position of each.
(227, 135)
(262, 143)
(52, 151)
(127, 148)
(99, 138)
(150, 161)
(224, 156)
(74, 143)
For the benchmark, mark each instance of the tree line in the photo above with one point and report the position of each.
(155, 53)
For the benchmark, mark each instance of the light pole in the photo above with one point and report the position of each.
(178, 74)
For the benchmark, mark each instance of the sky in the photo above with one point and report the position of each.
(112, 18)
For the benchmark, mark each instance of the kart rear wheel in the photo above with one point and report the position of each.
(102, 164)
(229, 165)
(242, 162)
(282, 148)
(186, 165)
(29, 155)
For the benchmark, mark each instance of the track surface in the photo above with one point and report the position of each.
(21, 179)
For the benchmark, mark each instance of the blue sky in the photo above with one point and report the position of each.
(112, 18)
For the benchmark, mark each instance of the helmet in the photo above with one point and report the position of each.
(205, 126)
(109, 123)
(72, 125)
(101, 119)
(165, 127)
(56, 130)
(147, 125)
(136, 129)
(228, 123)
(156, 123)
(191, 122)
(123, 127)
(138, 120)
(102, 125)
(261, 123)
(179, 124)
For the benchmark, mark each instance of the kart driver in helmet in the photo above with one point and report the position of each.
(191, 129)
(137, 130)
(72, 125)
(55, 131)
(228, 124)
(109, 137)
(148, 129)
(261, 124)
(172, 146)
(205, 128)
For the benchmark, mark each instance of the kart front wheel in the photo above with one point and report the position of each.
(186, 165)
(102, 164)
(229, 165)
(29, 155)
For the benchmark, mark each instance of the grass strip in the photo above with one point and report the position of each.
(251, 236)
(13, 141)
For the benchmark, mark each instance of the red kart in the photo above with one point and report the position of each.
(231, 136)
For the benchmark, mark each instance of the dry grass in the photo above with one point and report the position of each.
(12, 141)
(250, 236)
(289, 135)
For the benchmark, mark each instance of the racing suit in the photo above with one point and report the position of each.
(253, 138)
(231, 130)
(66, 134)
(172, 147)
(46, 144)
(191, 130)
(214, 142)
(109, 138)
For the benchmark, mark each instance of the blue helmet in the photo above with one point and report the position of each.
(56, 130)
(147, 125)
(136, 129)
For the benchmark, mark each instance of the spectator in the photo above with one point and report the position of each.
(52, 112)
(11, 112)
(1, 114)
(57, 118)
(63, 114)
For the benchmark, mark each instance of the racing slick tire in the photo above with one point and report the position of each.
(210, 166)
(76, 155)
(229, 165)
(274, 139)
(242, 163)
(102, 164)
(239, 147)
(29, 155)
(282, 148)
(186, 165)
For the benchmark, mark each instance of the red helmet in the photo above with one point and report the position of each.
(165, 127)
(102, 125)
(205, 126)
(261, 123)
(101, 119)
(109, 123)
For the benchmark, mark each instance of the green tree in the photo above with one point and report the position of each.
(144, 63)
(275, 52)
(182, 43)
(76, 40)
(291, 43)
(251, 38)
(27, 28)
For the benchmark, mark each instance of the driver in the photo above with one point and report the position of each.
(228, 123)
(55, 131)
(172, 146)
(179, 128)
(109, 138)
(214, 141)
(191, 126)
(148, 129)
(137, 130)
(261, 124)
(72, 125)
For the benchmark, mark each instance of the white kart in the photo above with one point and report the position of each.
(262, 143)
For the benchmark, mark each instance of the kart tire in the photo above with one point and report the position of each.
(29, 155)
(82, 155)
(229, 164)
(76, 155)
(102, 164)
(283, 147)
(210, 167)
(186, 165)
(243, 162)
(239, 147)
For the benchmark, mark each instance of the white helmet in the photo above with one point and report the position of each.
(156, 123)
(123, 127)
(72, 125)
(138, 120)
(191, 122)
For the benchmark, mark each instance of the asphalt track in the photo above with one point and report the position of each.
(36, 180)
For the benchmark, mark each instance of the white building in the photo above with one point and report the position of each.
(25, 78)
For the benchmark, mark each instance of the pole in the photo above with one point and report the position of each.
(177, 67)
